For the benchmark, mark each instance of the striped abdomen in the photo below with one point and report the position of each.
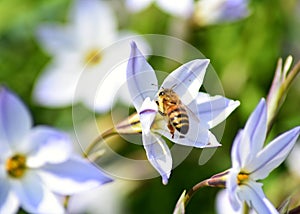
(179, 118)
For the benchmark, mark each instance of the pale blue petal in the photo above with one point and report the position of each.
(141, 78)
(187, 79)
(233, 188)
(34, 196)
(56, 86)
(47, 146)
(56, 39)
(147, 114)
(236, 157)
(254, 134)
(198, 136)
(273, 154)
(72, 176)
(15, 120)
(214, 110)
(159, 155)
(233, 9)
(223, 205)
(8, 200)
(253, 194)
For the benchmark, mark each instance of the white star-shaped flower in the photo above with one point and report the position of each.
(37, 162)
(252, 162)
(203, 112)
(88, 59)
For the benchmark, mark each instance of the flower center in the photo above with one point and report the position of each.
(242, 177)
(16, 166)
(93, 57)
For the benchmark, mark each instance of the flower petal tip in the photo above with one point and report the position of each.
(133, 45)
(165, 180)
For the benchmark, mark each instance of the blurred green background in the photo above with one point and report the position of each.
(243, 53)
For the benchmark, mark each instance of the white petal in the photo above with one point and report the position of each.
(187, 80)
(56, 86)
(254, 134)
(236, 156)
(233, 189)
(177, 7)
(8, 200)
(159, 155)
(216, 109)
(147, 114)
(33, 196)
(223, 205)
(48, 146)
(198, 136)
(141, 78)
(15, 120)
(253, 194)
(273, 154)
(56, 39)
(72, 176)
(137, 5)
(112, 84)
(94, 22)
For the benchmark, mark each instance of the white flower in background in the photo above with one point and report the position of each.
(87, 58)
(183, 8)
(37, 162)
(252, 162)
(204, 112)
(209, 12)
(113, 197)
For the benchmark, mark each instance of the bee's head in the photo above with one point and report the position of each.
(162, 93)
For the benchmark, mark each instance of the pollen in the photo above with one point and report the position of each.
(16, 166)
(242, 177)
(93, 57)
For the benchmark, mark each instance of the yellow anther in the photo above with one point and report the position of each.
(16, 166)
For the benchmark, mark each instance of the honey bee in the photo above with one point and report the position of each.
(170, 105)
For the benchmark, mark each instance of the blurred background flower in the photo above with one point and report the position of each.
(208, 12)
(243, 53)
(84, 54)
(176, 7)
(37, 162)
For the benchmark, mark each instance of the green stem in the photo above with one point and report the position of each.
(104, 135)
(217, 180)
(194, 189)
(246, 208)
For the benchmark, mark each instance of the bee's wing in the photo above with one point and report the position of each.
(191, 114)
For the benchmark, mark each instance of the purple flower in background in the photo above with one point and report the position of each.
(204, 111)
(37, 162)
(208, 12)
(252, 162)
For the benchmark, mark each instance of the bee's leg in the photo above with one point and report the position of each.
(171, 129)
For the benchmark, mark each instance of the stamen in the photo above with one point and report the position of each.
(16, 166)
(242, 177)
(93, 57)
